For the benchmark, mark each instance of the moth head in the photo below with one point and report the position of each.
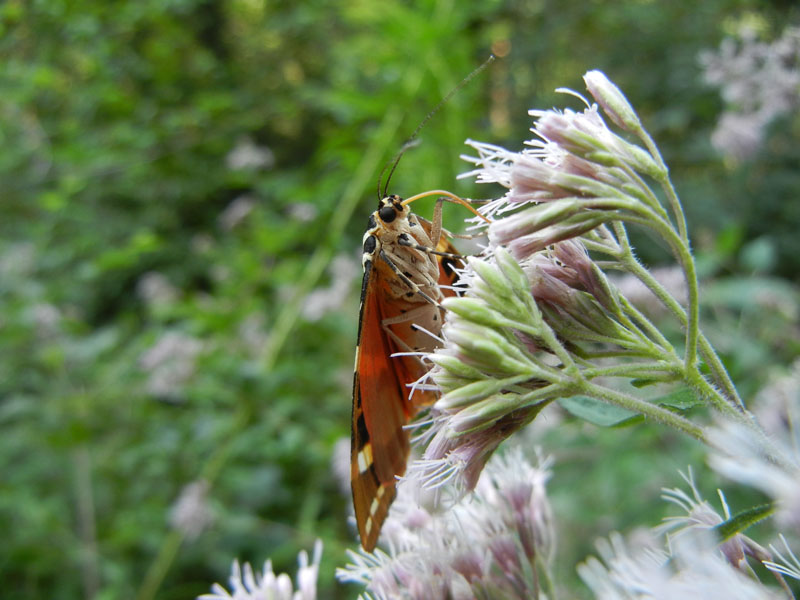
(390, 208)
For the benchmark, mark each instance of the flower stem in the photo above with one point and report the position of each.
(550, 339)
(681, 250)
(666, 185)
(718, 371)
(647, 194)
(655, 335)
(646, 409)
(705, 390)
(634, 370)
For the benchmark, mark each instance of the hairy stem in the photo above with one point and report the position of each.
(646, 409)
(666, 184)
(718, 371)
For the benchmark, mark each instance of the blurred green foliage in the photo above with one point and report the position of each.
(152, 284)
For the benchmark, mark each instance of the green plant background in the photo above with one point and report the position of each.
(116, 119)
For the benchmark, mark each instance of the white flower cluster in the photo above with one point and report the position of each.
(343, 269)
(758, 82)
(191, 513)
(170, 364)
(693, 569)
(247, 584)
(489, 546)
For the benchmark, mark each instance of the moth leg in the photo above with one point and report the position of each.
(413, 287)
(446, 232)
(436, 224)
(466, 236)
(411, 315)
(403, 240)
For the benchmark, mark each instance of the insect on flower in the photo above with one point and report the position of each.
(408, 270)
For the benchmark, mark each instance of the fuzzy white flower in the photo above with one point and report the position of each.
(701, 515)
(492, 540)
(693, 569)
(191, 513)
(170, 363)
(47, 318)
(247, 584)
(758, 81)
(304, 212)
(788, 565)
(236, 211)
(156, 289)
(343, 269)
(771, 465)
(247, 156)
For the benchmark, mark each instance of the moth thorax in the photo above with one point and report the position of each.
(418, 276)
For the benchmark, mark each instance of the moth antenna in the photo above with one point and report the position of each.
(410, 141)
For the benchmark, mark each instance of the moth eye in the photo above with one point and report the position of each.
(370, 244)
(387, 214)
(371, 224)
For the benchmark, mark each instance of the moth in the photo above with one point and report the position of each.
(408, 270)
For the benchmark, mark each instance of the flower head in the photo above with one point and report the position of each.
(191, 513)
(247, 156)
(326, 299)
(494, 541)
(692, 569)
(156, 289)
(742, 454)
(788, 565)
(701, 515)
(170, 364)
(247, 584)
(492, 351)
(459, 459)
(766, 461)
(758, 82)
(539, 315)
(575, 175)
(613, 101)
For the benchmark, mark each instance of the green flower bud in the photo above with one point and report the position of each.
(453, 366)
(613, 101)
(474, 310)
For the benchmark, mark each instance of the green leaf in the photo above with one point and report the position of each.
(603, 414)
(760, 255)
(742, 293)
(642, 382)
(743, 520)
(682, 398)
(596, 411)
